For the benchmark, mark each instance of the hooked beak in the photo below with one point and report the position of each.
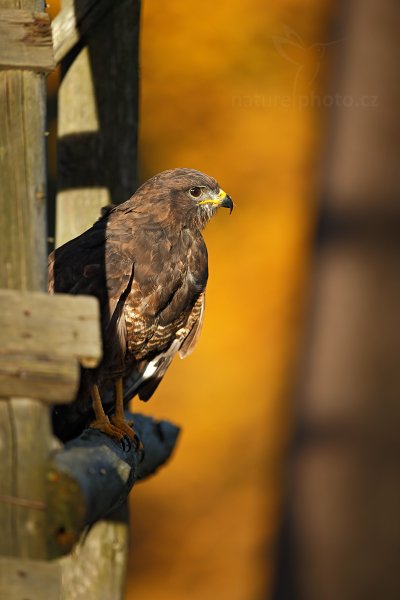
(222, 199)
(227, 203)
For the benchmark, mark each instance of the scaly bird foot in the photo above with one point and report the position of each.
(125, 426)
(104, 425)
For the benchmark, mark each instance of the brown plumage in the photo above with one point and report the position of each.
(146, 262)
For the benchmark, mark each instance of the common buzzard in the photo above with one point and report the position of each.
(146, 262)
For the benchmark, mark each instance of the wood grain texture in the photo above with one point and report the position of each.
(76, 20)
(43, 339)
(8, 543)
(33, 5)
(33, 579)
(26, 433)
(80, 490)
(26, 41)
(93, 475)
(22, 181)
(50, 379)
(24, 425)
(62, 325)
(97, 164)
(81, 575)
(96, 567)
(80, 209)
(97, 125)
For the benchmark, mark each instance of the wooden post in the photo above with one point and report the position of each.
(97, 121)
(97, 164)
(49, 494)
(25, 433)
(343, 534)
(22, 168)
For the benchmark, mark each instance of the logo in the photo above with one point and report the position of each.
(307, 58)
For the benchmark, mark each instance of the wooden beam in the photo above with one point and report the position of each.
(93, 475)
(43, 339)
(50, 379)
(97, 164)
(104, 543)
(33, 579)
(86, 481)
(25, 433)
(76, 20)
(22, 181)
(25, 439)
(26, 41)
(97, 124)
(41, 324)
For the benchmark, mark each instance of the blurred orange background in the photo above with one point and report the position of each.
(221, 85)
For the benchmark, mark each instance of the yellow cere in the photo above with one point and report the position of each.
(216, 200)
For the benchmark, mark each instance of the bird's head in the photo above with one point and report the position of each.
(187, 195)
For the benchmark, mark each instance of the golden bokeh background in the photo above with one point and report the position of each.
(221, 89)
(219, 93)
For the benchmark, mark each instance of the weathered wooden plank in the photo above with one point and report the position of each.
(41, 325)
(96, 569)
(80, 209)
(33, 5)
(7, 486)
(83, 572)
(23, 267)
(31, 423)
(25, 429)
(33, 579)
(93, 475)
(49, 378)
(26, 41)
(97, 125)
(22, 181)
(75, 20)
(43, 339)
(97, 164)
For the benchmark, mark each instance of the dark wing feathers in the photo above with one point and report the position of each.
(150, 285)
(89, 265)
(146, 263)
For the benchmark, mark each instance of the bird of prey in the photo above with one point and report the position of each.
(146, 262)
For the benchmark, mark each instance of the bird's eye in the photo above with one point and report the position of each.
(195, 192)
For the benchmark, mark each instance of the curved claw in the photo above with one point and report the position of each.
(126, 443)
(123, 426)
(138, 443)
(104, 425)
(118, 429)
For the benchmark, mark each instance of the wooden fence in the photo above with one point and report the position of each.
(47, 492)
